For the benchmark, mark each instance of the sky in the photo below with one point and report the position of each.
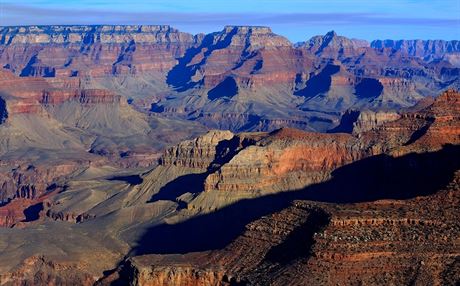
(298, 20)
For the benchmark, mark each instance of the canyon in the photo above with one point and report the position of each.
(258, 208)
(243, 78)
(143, 155)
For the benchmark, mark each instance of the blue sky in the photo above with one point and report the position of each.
(296, 19)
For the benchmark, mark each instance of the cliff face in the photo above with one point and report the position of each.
(32, 95)
(250, 56)
(55, 34)
(91, 50)
(198, 153)
(41, 271)
(258, 208)
(423, 130)
(285, 160)
(289, 159)
(357, 122)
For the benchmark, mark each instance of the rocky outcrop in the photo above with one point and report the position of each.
(85, 96)
(426, 129)
(30, 182)
(198, 153)
(31, 95)
(40, 270)
(24, 189)
(174, 274)
(287, 159)
(56, 34)
(64, 216)
(368, 120)
(280, 208)
(355, 122)
(251, 56)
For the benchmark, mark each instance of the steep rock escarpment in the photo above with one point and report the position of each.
(423, 130)
(355, 122)
(25, 188)
(380, 202)
(251, 56)
(310, 243)
(197, 153)
(51, 128)
(287, 159)
(40, 270)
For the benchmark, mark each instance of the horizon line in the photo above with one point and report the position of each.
(229, 25)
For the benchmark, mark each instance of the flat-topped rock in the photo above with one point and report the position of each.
(57, 34)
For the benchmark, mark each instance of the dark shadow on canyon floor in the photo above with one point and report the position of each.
(32, 213)
(377, 177)
(133, 180)
(191, 183)
(319, 83)
(419, 133)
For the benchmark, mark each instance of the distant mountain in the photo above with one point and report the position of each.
(331, 45)
(428, 49)
(241, 78)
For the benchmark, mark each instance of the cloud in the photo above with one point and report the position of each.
(29, 15)
(296, 26)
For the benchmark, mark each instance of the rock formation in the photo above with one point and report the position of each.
(356, 122)
(367, 225)
(51, 130)
(93, 50)
(101, 184)
(243, 78)
(286, 207)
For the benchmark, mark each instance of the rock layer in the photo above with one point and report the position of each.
(246, 78)
(368, 224)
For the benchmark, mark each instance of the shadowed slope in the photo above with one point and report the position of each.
(378, 177)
